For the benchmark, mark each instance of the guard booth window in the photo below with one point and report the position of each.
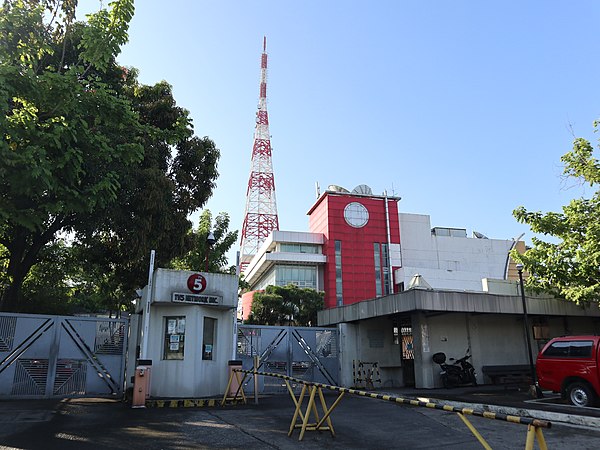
(208, 338)
(174, 341)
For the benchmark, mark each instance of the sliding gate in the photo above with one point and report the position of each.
(54, 356)
(308, 353)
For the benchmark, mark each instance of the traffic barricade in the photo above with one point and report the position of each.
(322, 422)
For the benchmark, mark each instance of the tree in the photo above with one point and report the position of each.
(568, 265)
(175, 177)
(196, 258)
(65, 132)
(91, 152)
(286, 305)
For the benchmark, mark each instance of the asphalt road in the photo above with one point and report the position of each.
(358, 422)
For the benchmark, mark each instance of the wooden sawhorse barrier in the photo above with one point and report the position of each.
(534, 426)
(321, 423)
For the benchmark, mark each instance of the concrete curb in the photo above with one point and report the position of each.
(569, 419)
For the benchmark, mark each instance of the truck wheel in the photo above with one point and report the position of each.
(580, 394)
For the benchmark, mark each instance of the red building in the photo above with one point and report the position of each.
(361, 243)
(350, 252)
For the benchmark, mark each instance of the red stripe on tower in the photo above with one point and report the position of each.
(260, 217)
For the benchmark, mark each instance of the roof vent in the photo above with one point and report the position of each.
(418, 282)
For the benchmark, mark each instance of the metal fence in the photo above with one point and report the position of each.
(307, 353)
(57, 356)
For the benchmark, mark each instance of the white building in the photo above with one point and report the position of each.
(446, 258)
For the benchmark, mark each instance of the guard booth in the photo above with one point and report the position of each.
(185, 325)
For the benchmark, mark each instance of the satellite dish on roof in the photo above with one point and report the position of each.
(362, 189)
(336, 188)
(479, 235)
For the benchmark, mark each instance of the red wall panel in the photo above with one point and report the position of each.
(358, 265)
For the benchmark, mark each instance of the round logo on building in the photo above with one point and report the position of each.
(196, 283)
(356, 214)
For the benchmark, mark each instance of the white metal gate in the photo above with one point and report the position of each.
(308, 353)
(59, 356)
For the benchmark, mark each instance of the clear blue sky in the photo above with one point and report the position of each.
(462, 108)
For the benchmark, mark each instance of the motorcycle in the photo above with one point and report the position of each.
(460, 373)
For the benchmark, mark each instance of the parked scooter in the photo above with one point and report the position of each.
(461, 372)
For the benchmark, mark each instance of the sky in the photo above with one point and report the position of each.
(462, 108)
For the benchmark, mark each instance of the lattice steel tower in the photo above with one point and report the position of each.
(260, 217)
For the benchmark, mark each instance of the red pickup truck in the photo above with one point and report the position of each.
(571, 365)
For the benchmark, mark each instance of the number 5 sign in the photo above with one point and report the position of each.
(196, 283)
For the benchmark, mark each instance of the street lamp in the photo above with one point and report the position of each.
(210, 240)
(534, 389)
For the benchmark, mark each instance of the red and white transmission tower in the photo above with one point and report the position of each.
(260, 217)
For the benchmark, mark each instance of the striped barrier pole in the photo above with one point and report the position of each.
(534, 426)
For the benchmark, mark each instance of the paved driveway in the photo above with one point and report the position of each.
(359, 423)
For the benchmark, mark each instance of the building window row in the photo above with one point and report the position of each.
(301, 276)
(299, 248)
(338, 274)
(382, 269)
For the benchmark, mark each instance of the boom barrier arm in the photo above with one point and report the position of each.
(534, 425)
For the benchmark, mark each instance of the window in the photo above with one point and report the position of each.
(385, 264)
(174, 341)
(569, 349)
(356, 215)
(301, 276)
(338, 273)
(299, 248)
(208, 338)
(377, 256)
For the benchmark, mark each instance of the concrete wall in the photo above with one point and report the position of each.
(494, 339)
(191, 376)
(370, 341)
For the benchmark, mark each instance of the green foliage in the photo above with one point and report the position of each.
(200, 253)
(286, 305)
(65, 132)
(156, 197)
(105, 33)
(568, 264)
(89, 151)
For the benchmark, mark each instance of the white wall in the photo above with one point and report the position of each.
(370, 341)
(494, 339)
(191, 376)
(448, 262)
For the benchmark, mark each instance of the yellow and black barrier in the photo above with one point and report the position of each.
(534, 426)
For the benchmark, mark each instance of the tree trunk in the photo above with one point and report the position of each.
(24, 248)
